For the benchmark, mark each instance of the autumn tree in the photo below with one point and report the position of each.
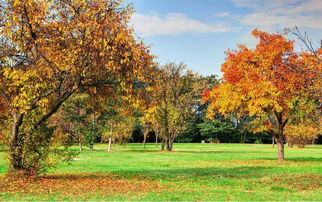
(117, 128)
(50, 50)
(175, 92)
(302, 133)
(271, 83)
(74, 113)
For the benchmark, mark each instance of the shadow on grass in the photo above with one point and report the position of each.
(182, 151)
(219, 152)
(243, 172)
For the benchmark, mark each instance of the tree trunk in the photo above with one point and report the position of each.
(16, 161)
(92, 138)
(156, 139)
(273, 141)
(144, 140)
(91, 146)
(244, 140)
(123, 142)
(80, 145)
(280, 144)
(162, 145)
(279, 123)
(109, 144)
(169, 144)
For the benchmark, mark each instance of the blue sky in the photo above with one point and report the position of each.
(197, 32)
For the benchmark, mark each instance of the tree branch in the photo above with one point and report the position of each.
(5, 97)
(54, 107)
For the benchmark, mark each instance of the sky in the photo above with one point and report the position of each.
(198, 32)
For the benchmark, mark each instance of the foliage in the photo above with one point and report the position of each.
(303, 133)
(214, 129)
(192, 133)
(174, 96)
(272, 83)
(50, 50)
(117, 120)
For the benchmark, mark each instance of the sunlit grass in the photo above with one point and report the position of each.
(190, 172)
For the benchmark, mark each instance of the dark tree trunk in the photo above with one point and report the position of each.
(92, 139)
(169, 145)
(91, 146)
(16, 141)
(162, 145)
(279, 124)
(80, 144)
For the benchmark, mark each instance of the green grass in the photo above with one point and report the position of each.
(194, 172)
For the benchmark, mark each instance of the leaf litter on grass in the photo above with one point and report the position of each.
(76, 185)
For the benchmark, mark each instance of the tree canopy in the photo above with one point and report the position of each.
(271, 82)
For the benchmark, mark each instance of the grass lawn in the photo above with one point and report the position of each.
(190, 172)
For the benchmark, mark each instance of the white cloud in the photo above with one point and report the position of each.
(271, 14)
(173, 23)
(222, 14)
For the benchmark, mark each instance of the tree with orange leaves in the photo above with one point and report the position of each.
(50, 50)
(271, 82)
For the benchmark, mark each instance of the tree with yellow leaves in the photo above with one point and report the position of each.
(303, 132)
(175, 95)
(51, 49)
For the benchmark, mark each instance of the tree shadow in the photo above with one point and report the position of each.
(242, 172)
(219, 152)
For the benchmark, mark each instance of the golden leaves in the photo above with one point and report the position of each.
(76, 185)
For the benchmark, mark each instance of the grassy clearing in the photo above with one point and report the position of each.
(191, 172)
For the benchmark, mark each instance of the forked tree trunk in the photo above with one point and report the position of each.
(279, 124)
(169, 145)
